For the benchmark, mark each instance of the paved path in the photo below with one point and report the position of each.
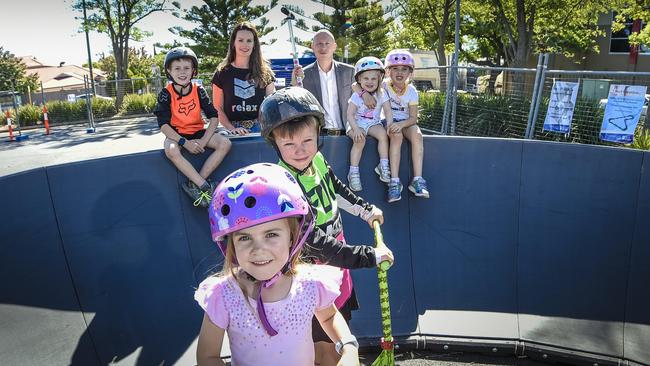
(67, 144)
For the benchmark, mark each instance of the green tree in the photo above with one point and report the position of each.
(140, 64)
(426, 24)
(520, 28)
(368, 34)
(13, 74)
(118, 19)
(215, 19)
(632, 11)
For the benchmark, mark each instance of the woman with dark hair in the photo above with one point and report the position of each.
(241, 82)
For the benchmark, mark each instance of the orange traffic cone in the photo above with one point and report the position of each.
(46, 120)
(11, 128)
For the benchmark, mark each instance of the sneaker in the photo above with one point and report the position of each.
(199, 197)
(419, 188)
(394, 192)
(383, 173)
(213, 185)
(354, 181)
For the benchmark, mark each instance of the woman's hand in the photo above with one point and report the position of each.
(240, 131)
(349, 356)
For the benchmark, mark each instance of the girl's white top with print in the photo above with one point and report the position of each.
(365, 116)
(314, 287)
(399, 104)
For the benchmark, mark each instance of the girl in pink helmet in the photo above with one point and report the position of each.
(264, 299)
(403, 99)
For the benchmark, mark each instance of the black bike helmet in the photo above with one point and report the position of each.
(287, 104)
(181, 52)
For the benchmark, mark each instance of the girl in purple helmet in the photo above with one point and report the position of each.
(264, 299)
(403, 98)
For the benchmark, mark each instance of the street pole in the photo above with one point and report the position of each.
(90, 61)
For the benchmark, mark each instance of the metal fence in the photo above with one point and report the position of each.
(485, 101)
(508, 102)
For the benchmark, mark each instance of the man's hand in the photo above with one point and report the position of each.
(297, 71)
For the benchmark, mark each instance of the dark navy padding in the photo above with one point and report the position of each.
(464, 237)
(122, 228)
(366, 323)
(37, 297)
(577, 217)
(637, 314)
(521, 240)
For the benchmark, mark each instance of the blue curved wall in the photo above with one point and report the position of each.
(521, 243)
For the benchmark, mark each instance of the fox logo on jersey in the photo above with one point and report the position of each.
(186, 107)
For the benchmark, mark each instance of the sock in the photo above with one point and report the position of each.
(384, 163)
(354, 169)
(394, 180)
(417, 178)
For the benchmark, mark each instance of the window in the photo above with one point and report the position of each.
(619, 43)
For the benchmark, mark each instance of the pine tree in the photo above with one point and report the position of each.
(358, 24)
(215, 19)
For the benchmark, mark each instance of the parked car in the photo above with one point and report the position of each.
(84, 96)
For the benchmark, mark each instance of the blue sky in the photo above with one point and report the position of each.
(48, 30)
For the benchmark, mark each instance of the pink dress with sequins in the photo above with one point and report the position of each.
(312, 288)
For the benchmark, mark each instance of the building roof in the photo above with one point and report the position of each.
(58, 77)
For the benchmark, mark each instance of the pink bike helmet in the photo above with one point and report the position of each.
(400, 58)
(254, 195)
(368, 63)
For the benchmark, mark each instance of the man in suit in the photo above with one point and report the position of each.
(330, 81)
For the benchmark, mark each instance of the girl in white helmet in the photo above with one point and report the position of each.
(362, 121)
(403, 99)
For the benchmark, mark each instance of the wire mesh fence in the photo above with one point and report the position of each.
(486, 101)
(501, 102)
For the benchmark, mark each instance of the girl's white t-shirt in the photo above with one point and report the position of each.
(399, 104)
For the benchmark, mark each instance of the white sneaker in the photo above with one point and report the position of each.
(354, 181)
(383, 173)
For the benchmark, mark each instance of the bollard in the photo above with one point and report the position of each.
(11, 128)
(46, 121)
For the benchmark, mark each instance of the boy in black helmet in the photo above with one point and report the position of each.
(179, 116)
(291, 120)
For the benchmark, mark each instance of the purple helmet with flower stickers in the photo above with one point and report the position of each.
(254, 195)
(400, 58)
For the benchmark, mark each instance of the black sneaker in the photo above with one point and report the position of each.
(199, 197)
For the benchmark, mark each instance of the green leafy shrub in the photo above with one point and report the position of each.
(103, 108)
(29, 115)
(138, 104)
(432, 106)
(641, 138)
(59, 111)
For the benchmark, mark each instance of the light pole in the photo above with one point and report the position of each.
(90, 61)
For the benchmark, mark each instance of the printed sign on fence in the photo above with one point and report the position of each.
(622, 112)
(561, 106)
